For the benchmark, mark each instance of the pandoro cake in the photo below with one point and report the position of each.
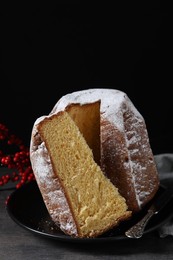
(92, 161)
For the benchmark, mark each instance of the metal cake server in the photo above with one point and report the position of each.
(137, 230)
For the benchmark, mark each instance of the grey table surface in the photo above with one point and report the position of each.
(18, 243)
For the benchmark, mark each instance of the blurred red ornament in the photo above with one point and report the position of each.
(19, 160)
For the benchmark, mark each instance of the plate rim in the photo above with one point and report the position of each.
(65, 237)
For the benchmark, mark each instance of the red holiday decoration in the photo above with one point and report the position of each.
(18, 161)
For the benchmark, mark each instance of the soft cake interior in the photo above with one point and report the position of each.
(87, 118)
(95, 202)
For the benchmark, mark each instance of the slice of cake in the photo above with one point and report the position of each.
(78, 196)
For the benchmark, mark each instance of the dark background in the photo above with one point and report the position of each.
(51, 50)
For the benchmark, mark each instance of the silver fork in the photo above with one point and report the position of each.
(137, 230)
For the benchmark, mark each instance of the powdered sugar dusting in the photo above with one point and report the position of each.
(110, 107)
(141, 160)
(50, 187)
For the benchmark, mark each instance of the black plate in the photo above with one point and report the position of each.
(26, 207)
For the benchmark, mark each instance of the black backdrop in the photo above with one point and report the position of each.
(49, 51)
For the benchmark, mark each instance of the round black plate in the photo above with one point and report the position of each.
(26, 207)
